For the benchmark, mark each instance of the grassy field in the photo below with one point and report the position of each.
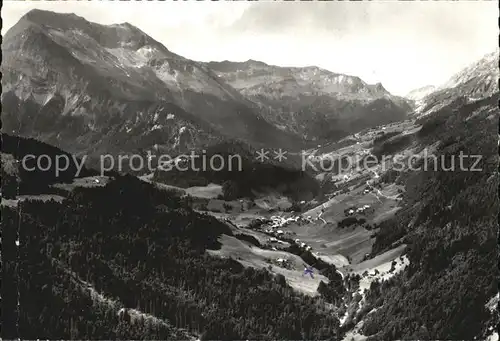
(249, 255)
(380, 262)
(40, 197)
(211, 191)
(87, 182)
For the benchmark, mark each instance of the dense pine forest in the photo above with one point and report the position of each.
(449, 220)
(24, 181)
(242, 173)
(103, 249)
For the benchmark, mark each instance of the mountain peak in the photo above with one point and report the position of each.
(119, 71)
(477, 80)
(256, 62)
(484, 67)
(379, 87)
(60, 24)
(44, 17)
(38, 20)
(127, 26)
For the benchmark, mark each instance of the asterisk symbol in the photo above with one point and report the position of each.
(262, 155)
(280, 155)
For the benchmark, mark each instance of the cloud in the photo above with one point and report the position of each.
(403, 44)
(277, 17)
(437, 19)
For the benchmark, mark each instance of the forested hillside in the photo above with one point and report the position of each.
(78, 263)
(241, 173)
(30, 178)
(449, 220)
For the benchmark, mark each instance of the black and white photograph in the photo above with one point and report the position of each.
(250, 170)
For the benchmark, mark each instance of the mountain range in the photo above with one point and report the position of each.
(313, 102)
(93, 88)
(478, 80)
(101, 86)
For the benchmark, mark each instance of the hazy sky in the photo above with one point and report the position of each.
(404, 45)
